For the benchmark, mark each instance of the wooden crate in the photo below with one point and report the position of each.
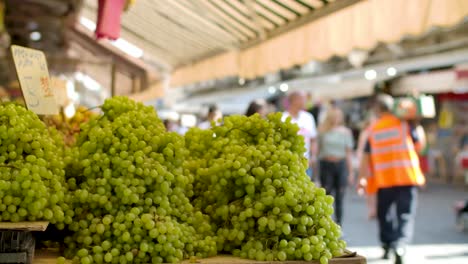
(17, 241)
(50, 257)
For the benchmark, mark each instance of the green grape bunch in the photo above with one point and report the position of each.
(250, 178)
(32, 175)
(131, 197)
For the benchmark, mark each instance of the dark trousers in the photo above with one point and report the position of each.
(333, 179)
(396, 226)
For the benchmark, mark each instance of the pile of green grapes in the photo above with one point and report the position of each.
(130, 192)
(131, 197)
(250, 178)
(32, 175)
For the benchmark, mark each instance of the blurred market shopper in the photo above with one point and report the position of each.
(214, 115)
(391, 152)
(461, 214)
(258, 106)
(462, 157)
(335, 146)
(306, 123)
(171, 126)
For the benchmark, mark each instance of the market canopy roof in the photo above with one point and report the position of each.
(178, 32)
(209, 39)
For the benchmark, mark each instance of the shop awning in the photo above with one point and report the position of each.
(178, 32)
(209, 39)
(360, 26)
(431, 82)
(443, 81)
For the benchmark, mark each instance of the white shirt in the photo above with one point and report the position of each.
(307, 127)
(182, 130)
(205, 125)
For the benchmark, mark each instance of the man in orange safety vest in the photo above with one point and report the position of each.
(391, 155)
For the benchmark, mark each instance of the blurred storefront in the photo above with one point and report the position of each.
(446, 131)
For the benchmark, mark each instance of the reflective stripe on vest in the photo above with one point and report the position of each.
(394, 134)
(387, 134)
(383, 150)
(395, 164)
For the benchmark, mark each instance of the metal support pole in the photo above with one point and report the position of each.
(113, 79)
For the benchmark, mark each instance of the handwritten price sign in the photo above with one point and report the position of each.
(60, 91)
(33, 75)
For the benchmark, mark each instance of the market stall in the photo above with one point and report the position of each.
(126, 190)
(97, 172)
(446, 130)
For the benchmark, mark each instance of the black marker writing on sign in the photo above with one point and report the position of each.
(28, 87)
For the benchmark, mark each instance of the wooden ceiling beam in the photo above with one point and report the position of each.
(181, 54)
(150, 32)
(193, 28)
(275, 7)
(294, 5)
(312, 16)
(163, 34)
(198, 7)
(148, 47)
(143, 21)
(314, 3)
(209, 5)
(278, 20)
(260, 20)
(210, 25)
(175, 28)
(237, 15)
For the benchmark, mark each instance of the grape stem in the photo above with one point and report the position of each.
(9, 166)
(92, 108)
(230, 130)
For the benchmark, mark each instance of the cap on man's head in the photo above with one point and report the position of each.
(384, 102)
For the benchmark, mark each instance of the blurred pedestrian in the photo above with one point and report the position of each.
(258, 106)
(214, 115)
(335, 154)
(181, 129)
(391, 153)
(306, 123)
(461, 214)
(170, 125)
(462, 157)
(461, 208)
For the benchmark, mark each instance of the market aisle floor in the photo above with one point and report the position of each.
(436, 240)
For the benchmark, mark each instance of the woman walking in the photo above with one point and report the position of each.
(335, 153)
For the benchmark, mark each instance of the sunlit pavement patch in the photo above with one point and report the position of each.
(440, 253)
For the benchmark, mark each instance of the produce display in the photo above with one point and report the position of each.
(128, 191)
(69, 127)
(32, 175)
(131, 197)
(251, 181)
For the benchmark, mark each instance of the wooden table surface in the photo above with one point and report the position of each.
(50, 257)
(24, 226)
